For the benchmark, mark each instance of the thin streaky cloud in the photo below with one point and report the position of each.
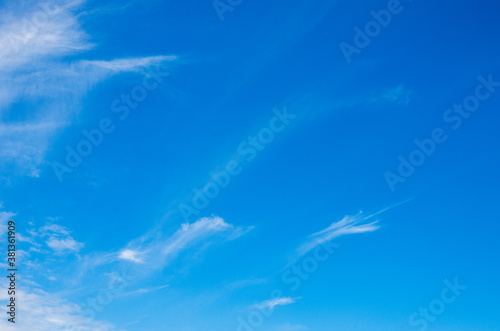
(270, 304)
(348, 225)
(143, 291)
(389, 208)
(158, 250)
(37, 64)
(48, 311)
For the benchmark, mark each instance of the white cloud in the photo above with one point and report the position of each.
(49, 310)
(161, 250)
(26, 143)
(38, 310)
(143, 290)
(41, 311)
(37, 66)
(270, 304)
(54, 228)
(130, 255)
(191, 233)
(27, 38)
(125, 65)
(64, 244)
(22, 238)
(29, 282)
(58, 239)
(34, 249)
(348, 225)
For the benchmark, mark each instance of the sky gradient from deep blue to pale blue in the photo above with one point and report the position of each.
(120, 208)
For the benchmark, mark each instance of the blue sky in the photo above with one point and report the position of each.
(242, 165)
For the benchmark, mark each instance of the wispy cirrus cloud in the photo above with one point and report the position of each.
(34, 31)
(56, 237)
(348, 225)
(46, 311)
(396, 95)
(41, 309)
(270, 304)
(158, 250)
(57, 310)
(143, 291)
(38, 66)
